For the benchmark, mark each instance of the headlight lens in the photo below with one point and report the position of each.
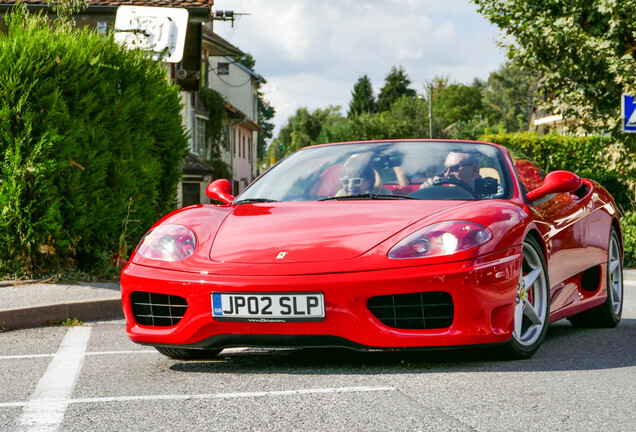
(168, 243)
(444, 238)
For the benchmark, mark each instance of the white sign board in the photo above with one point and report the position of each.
(160, 31)
(628, 113)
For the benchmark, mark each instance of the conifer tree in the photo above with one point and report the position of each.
(397, 85)
(362, 98)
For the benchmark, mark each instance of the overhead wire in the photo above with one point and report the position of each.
(311, 94)
(227, 83)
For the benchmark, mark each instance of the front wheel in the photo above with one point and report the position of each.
(532, 305)
(187, 354)
(609, 313)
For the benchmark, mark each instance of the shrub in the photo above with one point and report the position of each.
(595, 157)
(628, 225)
(90, 144)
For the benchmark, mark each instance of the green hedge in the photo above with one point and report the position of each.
(595, 157)
(628, 224)
(90, 144)
(611, 164)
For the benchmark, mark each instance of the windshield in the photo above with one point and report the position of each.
(384, 170)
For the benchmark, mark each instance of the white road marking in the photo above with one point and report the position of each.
(45, 409)
(236, 395)
(122, 352)
(631, 283)
(225, 351)
(216, 395)
(29, 356)
(26, 356)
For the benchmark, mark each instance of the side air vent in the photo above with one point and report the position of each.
(423, 310)
(161, 310)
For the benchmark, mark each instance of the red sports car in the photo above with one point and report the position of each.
(396, 244)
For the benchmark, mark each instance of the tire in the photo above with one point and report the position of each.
(532, 306)
(188, 354)
(609, 313)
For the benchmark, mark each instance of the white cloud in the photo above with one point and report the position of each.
(314, 51)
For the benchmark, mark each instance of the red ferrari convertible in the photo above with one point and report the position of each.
(396, 244)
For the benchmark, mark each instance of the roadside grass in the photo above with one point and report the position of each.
(71, 276)
(76, 276)
(68, 322)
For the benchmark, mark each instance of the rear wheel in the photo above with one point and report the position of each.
(609, 313)
(532, 305)
(187, 354)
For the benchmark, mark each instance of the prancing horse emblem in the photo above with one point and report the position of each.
(281, 255)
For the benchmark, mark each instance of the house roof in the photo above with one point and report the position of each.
(218, 45)
(156, 3)
(195, 7)
(193, 165)
(244, 120)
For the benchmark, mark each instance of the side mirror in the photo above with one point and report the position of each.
(555, 182)
(220, 190)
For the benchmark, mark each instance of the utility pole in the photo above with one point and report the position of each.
(430, 111)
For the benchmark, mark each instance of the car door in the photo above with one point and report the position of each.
(566, 224)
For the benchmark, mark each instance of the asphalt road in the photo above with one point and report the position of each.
(93, 378)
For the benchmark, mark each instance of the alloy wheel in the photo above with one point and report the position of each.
(532, 298)
(615, 279)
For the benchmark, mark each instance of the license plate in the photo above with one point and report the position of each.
(268, 307)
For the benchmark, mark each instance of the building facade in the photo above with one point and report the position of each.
(238, 85)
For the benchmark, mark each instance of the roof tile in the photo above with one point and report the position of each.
(156, 3)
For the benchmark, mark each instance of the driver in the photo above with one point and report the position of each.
(459, 166)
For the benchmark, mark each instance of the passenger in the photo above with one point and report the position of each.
(358, 177)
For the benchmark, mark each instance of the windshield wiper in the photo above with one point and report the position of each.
(367, 196)
(254, 200)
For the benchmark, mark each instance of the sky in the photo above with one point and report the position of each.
(313, 52)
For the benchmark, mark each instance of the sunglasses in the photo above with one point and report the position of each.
(456, 167)
(356, 181)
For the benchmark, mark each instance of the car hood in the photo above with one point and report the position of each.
(313, 232)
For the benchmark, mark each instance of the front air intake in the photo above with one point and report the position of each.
(161, 310)
(423, 310)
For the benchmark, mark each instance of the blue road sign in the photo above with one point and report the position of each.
(628, 113)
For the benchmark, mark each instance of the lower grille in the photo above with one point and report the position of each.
(160, 310)
(423, 310)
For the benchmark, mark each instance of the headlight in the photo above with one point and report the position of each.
(168, 243)
(442, 238)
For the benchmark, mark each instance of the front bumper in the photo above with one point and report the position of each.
(483, 292)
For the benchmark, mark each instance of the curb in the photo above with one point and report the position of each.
(39, 316)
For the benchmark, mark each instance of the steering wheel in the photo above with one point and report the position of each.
(455, 182)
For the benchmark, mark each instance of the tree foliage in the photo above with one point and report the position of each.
(90, 144)
(584, 50)
(509, 95)
(302, 130)
(362, 98)
(458, 102)
(65, 9)
(396, 85)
